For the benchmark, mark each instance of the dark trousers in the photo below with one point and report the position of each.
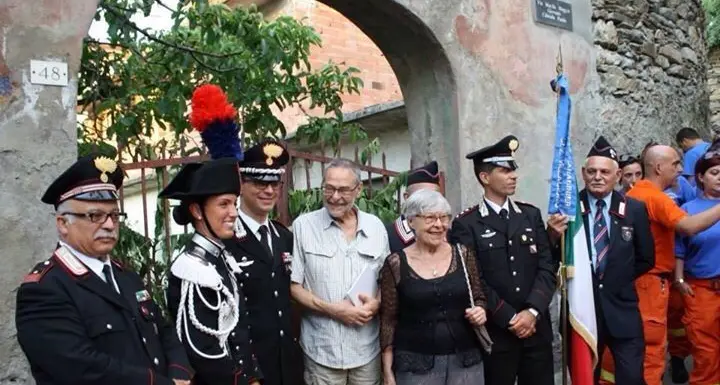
(529, 365)
(628, 355)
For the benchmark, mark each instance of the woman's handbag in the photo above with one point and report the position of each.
(480, 331)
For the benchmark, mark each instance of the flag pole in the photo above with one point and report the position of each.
(563, 265)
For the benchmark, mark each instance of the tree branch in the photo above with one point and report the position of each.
(178, 11)
(112, 9)
(142, 56)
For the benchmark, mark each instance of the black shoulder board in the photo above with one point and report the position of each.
(467, 211)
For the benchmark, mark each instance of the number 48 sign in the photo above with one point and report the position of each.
(51, 73)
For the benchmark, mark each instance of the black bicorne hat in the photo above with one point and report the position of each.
(425, 174)
(500, 154)
(90, 178)
(198, 181)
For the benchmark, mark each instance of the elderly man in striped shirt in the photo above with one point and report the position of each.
(333, 246)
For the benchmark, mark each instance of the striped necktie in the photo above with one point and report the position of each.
(601, 240)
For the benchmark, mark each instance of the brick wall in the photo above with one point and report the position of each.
(345, 44)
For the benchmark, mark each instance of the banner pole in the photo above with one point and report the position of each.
(563, 262)
(564, 312)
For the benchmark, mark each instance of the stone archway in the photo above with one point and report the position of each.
(425, 75)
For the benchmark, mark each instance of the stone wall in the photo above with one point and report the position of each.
(652, 64)
(713, 85)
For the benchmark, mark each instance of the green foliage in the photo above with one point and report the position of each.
(383, 203)
(303, 201)
(712, 22)
(141, 80)
(137, 86)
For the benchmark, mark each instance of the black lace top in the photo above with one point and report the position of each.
(421, 318)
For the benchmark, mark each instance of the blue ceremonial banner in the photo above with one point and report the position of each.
(563, 186)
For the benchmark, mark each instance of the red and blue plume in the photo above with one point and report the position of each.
(214, 118)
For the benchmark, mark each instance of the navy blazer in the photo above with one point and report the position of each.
(631, 254)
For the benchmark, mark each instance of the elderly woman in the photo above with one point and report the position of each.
(426, 320)
(697, 276)
(203, 295)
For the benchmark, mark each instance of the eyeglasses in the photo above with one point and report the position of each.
(431, 219)
(344, 191)
(262, 185)
(99, 216)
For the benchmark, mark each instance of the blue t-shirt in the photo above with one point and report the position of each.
(683, 193)
(691, 157)
(701, 251)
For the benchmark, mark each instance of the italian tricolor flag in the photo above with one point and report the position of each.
(582, 333)
(581, 338)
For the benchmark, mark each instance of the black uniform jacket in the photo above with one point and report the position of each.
(75, 329)
(400, 235)
(516, 265)
(266, 285)
(240, 365)
(631, 254)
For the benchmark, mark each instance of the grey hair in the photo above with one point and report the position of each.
(64, 207)
(346, 164)
(425, 201)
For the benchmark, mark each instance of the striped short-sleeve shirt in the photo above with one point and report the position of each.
(327, 265)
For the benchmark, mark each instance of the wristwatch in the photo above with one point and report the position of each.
(534, 312)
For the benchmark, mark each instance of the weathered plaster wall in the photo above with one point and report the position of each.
(37, 141)
(472, 71)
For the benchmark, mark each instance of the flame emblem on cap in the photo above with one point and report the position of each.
(513, 144)
(106, 166)
(272, 151)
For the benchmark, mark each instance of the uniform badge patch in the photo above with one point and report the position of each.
(287, 261)
(626, 233)
(533, 249)
(488, 234)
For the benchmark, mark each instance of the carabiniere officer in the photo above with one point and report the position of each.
(81, 317)
(266, 282)
(517, 267)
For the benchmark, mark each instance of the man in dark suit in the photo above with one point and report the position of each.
(517, 268)
(400, 235)
(81, 318)
(266, 282)
(622, 248)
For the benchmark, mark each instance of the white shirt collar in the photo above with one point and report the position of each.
(92, 263)
(592, 201)
(252, 224)
(497, 207)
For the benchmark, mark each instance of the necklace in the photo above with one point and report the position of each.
(434, 272)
